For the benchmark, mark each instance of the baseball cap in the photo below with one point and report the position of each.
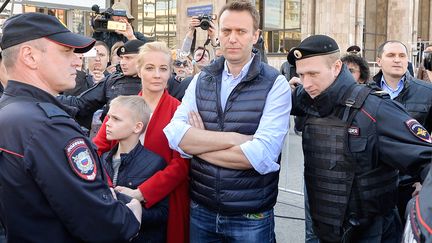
(130, 47)
(30, 26)
(316, 45)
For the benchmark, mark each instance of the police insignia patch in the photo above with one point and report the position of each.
(81, 160)
(418, 130)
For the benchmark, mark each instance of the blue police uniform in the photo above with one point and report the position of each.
(52, 187)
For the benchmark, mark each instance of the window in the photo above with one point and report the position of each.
(375, 31)
(280, 22)
(157, 18)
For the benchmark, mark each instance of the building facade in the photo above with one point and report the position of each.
(284, 23)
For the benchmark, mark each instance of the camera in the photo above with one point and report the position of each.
(205, 20)
(103, 21)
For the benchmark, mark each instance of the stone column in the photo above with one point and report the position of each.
(402, 22)
(342, 20)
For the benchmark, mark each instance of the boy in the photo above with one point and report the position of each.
(129, 164)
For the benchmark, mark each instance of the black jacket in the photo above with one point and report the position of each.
(101, 94)
(416, 97)
(52, 181)
(136, 167)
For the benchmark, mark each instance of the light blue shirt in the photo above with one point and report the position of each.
(392, 92)
(264, 149)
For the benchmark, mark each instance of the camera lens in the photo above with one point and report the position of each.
(205, 24)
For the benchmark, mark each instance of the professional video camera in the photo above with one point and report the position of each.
(103, 21)
(205, 20)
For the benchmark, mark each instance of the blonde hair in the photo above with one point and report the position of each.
(136, 105)
(156, 46)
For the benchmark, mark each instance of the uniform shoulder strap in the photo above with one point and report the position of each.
(6, 100)
(52, 110)
(356, 97)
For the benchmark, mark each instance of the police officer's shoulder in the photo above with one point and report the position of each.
(113, 77)
(52, 110)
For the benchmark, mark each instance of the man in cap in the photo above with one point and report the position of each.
(125, 83)
(110, 38)
(244, 105)
(355, 139)
(52, 182)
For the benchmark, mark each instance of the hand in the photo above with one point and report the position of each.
(97, 75)
(111, 69)
(418, 187)
(130, 192)
(135, 206)
(128, 33)
(294, 82)
(195, 120)
(212, 32)
(193, 23)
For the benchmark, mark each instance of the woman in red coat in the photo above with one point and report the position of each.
(154, 68)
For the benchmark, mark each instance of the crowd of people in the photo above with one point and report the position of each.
(118, 138)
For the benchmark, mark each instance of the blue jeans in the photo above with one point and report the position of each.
(208, 226)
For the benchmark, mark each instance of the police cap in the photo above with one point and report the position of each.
(30, 26)
(316, 45)
(130, 47)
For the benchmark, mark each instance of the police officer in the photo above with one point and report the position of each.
(414, 94)
(52, 187)
(125, 83)
(355, 139)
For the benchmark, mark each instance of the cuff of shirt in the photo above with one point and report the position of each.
(259, 159)
(174, 133)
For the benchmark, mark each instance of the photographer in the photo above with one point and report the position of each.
(204, 22)
(119, 35)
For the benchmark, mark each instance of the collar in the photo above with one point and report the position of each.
(399, 86)
(243, 71)
(251, 69)
(16, 88)
(125, 158)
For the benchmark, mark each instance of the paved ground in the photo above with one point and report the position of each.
(289, 209)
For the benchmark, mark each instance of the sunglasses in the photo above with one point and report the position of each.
(178, 63)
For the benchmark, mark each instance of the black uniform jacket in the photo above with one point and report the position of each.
(52, 183)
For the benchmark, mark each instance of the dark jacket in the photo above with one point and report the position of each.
(1, 90)
(416, 97)
(52, 181)
(381, 136)
(110, 38)
(83, 81)
(177, 88)
(223, 190)
(101, 94)
(136, 167)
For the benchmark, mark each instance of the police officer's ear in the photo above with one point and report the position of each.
(337, 67)
(29, 56)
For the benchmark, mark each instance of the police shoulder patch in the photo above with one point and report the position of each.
(81, 159)
(418, 130)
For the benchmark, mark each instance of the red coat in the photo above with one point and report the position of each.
(173, 180)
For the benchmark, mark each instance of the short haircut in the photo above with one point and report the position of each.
(136, 105)
(243, 5)
(380, 49)
(101, 43)
(10, 54)
(359, 61)
(332, 58)
(155, 46)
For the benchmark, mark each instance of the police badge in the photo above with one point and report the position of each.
(418, 130)
(81, 160)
